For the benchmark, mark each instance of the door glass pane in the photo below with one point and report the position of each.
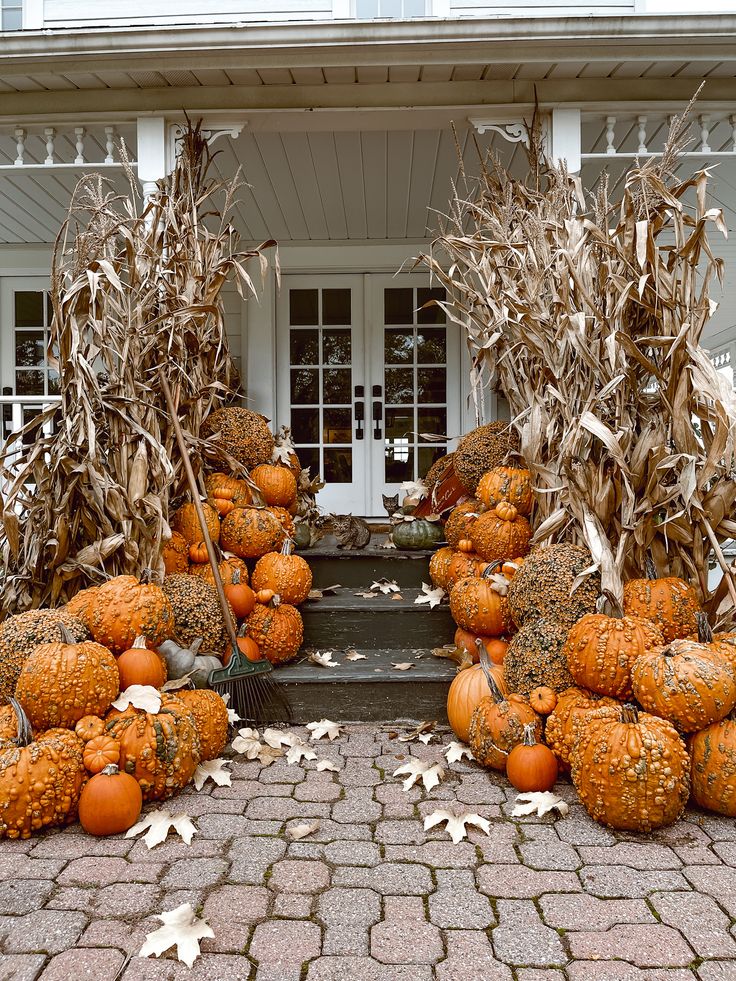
(336, 307)
(309, 457)
(305, 386)
(29, 382)
(337, 425)
(428, 454)
(304, 347)
(53, 383)
(432, 345)
(336, 385)
(433, 314)
(338, 467)
(399, 461)
(431, 385)
(433, 421)
(399, 346)
(336, 347)
(303, 307)
(398, 306)
(30, 348)
(305, 425)
(29, 308)
(399, 386)
(399, 424)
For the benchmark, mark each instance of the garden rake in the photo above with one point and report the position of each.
(254, 694)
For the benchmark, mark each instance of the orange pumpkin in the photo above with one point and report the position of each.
(478, 604)
(229, 567)
(277, 629)
(99, 752)
(125, 608)
(439, 564)
(498, 722)
(175, 554)
(501, 533)
(141, 666)
(110, 803)
(461, 519)
(285, 519)
(560, 730)
(241, 597)
(221, 487)
(713, 755)
(186, 522)
(88, 727)
(248, 646)
(670, 603)
(251, 532)
(495, 647)
(543, 700)
(198, 553)
(531, 766)
(467, 689)
(276, 484)
(82, 604)
(210, 719)
(287, 575)
(512, 484)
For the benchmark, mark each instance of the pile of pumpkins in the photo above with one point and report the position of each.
(637, 701)
(64, 750)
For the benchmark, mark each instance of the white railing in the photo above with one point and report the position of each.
(17, 404)
(40, 147)
(628, 136)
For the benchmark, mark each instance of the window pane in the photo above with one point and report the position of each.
(399, 346)
(12, 20)
(415, 8)
(30, 348)
(431, 345)
(338, 466)
(304, 347)
(398, 306)
(428, 455)
(29, 383)
(336, 347)
(390, 8)
(303, 307)
(431, 385)
(305, 386)
(53, 383)
(399, 458)
(366, 8)
(29, 309)
(433, 314)
(337, 425)
(400, 386)
(336, 307)
(336, 386)
(309, 459)
(399, 424)
(305, 425)
(433, 421)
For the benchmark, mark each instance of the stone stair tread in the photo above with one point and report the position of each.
(346, 600)
(377, 668)
(327, 548)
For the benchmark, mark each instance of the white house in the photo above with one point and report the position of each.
(339, 112)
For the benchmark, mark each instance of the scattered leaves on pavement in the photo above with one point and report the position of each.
(429, 773)
(423, 727)
(327, 765)
(298, 831)
(182, 929)
(299, 751)
(539, 804)
(247, 742)
(353, 655)
(213, 770)
(402, 665)
(456, 751)
(159, 823)
(385, 586)
(323, 728)
(456, 823)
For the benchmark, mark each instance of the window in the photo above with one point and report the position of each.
(398, 9)
(11, 15)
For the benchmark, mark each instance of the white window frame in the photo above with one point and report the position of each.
(346, 9)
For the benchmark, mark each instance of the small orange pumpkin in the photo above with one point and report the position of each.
(531, 766)
(276, 484)
(240, 596)
(141, 666)
(110, 802)
(99, 752)
(495, 647)
(465, 545)
(198, 553)
(88, 727)
(543, 700)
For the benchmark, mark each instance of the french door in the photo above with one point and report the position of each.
(369, 379)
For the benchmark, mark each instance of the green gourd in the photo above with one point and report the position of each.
(416, 535)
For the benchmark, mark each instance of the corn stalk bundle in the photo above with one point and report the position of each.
(87, 483)
(587, 315)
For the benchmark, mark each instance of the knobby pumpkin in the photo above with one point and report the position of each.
(511, 484)
(287, 575)
(125, 607)
(468, 687)
(572, 705)
(497, 724)
(713, 755)
(478, 604)
(210, 720)
(670, 603)
(277, 630)
(501, 533)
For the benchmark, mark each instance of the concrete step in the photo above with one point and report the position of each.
(359, 568)
(369, 690)
(383, 622)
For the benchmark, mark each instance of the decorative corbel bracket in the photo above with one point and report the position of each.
(513, 131)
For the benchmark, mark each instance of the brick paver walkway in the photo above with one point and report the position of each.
(371, 895)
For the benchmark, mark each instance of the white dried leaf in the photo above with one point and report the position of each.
(367, 595)
(213, 770)
(247, 742)
(276, 738)
(327, 765)
(426, 738)
(352, 655)
(402, 665)
(232, 717)
(431, 596)
(423, 727)
(323, 728)
(539, 803)
(299, 751)
(298, 831)
(268, 754)
(429, 773)
(181, 929)
(144, 697)
(456, 751)
(176, 683)
(457, 824)
(324, 660)
(385, 586)
(159, 823)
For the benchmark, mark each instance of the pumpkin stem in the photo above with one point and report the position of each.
(649, 567)
(67, 637)
(287, 547)
(24, 733)
(110, 770)
(140, 643)
(485, 664)
(608, 604)
(705, 632)
(148, 576)
(629, 713)
(491, 568)
(529, 737)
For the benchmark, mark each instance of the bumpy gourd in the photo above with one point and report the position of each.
(630, 769)
(276, 484)
(468, 687)
(713, 755)
(125, 608)
(461, 519)
(186, 522)
(543, 585)
(535, 657)
(175, 554)
(22, 633)
(670, 603)
(62, 682)
(600, 649)
(560, 729)
(501, 533)
(277, 629)
(286, 574)
(479, 604)
(40, 780)
(251, 532)
(210, 719)
(160, 750)
(229, 567)
(512, 484)
(685, 682)
(497, 724)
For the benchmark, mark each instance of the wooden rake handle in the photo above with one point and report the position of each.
(191, 480)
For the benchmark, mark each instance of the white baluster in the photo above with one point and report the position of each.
(79, 144)
(704, 133)
(109, 144)
(49, 133)
(642, 121)
(20, 146)
(610, 135)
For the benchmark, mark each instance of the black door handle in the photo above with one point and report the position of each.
(359, 411)
(377, 412)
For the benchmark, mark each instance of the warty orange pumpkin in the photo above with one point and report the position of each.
(466, 690)
(670, 603)
(713, 756)
(286, 574)
(186, 521)
(501, 533)
(125, 608)
(479, 604)
(460, 520)
(571, 706)
(511, 484)
(277, 629)
(251, 532)
(497, 724)
(210, 719)
(276, 484)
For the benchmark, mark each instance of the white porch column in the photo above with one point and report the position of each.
(152, 155)
(566, 138)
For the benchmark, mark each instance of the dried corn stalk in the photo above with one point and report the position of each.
(587, 318)
(87, 484)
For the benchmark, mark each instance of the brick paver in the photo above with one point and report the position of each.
(371, 895)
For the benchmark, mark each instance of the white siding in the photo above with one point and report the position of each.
(538, 8)
(125, 13)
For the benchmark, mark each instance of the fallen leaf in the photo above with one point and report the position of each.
(426, 738)
(539, 804)
(351, 655)
(459, 655)
(327, 765)
(429, 595)
(298, 831)
(181, 929)
(324, 660)
(429, 773)
(367, 595)
(144, 697)
(247, 742)
(456, 823)
(176, 683)
(385, 586)
(397, 596)
(213, 770)
(299, 751)
(387, 544)
(159, 823)
(409, 737)
(323, 728)
(456, 751)
(232, 717)
(402, 665)
(323, 591)
(276, 738)
(268, 754)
